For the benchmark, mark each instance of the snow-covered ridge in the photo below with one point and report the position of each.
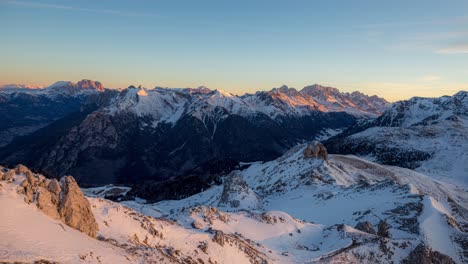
(419, 109)
(169, 104)
(429, 135)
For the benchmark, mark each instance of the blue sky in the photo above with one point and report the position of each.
(395, 49)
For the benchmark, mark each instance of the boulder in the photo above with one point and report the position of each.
(315, 150)
(24, 184)
(9, 175)
(424, 255)
(75, 209)
(219, 237)
(29, 192)
(383, 229)
(54, 187)
(238, 195)
(366, 227)
(30, 177)
(46, 203)
(21, 169)
(197, 225)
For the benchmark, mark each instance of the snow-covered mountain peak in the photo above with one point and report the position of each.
(319, 90)
(67, 87)
(419, 109)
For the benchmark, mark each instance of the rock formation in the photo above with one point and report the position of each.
(60, 200)
(424, 255)
(315, 150)
(74, 208)
(366, 227)
(383, 229)
(237, 194)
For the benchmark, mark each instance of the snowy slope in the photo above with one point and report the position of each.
(29, 235)
(343, 190)
(426, 134)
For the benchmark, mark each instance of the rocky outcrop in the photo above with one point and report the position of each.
(425, 255)
(383, 229)
(315, 150)
(9, 175)
(46, 204)
(74, 208)
(366, 227)
(60, 200)
(237, 194)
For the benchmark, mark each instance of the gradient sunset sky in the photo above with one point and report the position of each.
(395, 49)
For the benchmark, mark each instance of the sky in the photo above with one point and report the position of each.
(395, 49)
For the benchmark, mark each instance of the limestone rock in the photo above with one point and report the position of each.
(197, 225)
(366, 227)
(46, 204)
(54, 187)
(424, 255)
(315, 150)
(24, 183)
(29, 192)
(219, 237)
(21, 169)
(9, 175)
(30, 177)
(74, 208)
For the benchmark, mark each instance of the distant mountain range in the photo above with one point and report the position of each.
(105, 136)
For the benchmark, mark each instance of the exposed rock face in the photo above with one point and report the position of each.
(21, 169)
(60, 200)
(197, 225)
(74, 209)
(315, 150)
(424, 255)
(366, 227)
(46, 203)
(383, 229)
(219, 237)
(9, 175)
(237, 194)
(89, 84)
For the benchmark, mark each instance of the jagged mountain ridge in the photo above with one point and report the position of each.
(161, 133)
(426, 134)
(165, 104)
